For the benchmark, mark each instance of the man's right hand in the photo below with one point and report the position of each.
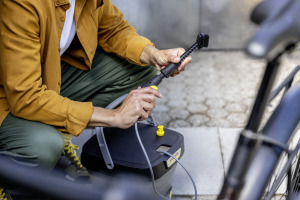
(137, 106)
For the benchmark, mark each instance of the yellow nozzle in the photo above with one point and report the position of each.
(154, 87)
(160, 131)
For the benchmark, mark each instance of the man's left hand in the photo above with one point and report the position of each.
(162, 58)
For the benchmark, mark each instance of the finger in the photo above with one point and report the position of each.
(174, 59)
(167, 59)
(149, 90)
(186, 61)
(180, 51)
(175, 73)
(143, 115)
(146, 90)
(174, 55)
(144, 94)
(148, 98)
(148, 106)
(149, 112)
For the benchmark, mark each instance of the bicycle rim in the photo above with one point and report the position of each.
(284, 184)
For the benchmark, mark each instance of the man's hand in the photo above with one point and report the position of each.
(162, 58)
(137, 106)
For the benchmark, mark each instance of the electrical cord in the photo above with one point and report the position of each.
(148, 161)
(195, 188)
(150, 166)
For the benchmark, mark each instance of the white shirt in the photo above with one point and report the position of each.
(69, 29)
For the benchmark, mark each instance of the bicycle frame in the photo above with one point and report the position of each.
(248, 145)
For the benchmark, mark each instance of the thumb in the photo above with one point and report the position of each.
(174, 59)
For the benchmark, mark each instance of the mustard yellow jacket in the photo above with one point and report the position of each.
(30, 70)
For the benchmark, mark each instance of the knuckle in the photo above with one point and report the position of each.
(138, 108)
(134, 95)
(137, 102)
(182, 50)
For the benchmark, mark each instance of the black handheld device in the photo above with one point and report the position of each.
(202, 41)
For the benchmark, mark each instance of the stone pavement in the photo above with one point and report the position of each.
(216, 90)
(207, 155)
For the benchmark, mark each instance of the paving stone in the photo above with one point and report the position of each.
(235, 97)
(161, 108)
(215, 103)
(195, 98)
(179, 123)
(228, 139)
(235, 107)
(177, 103)
(217, 113)
(177, 94)
(197, 108)
(219, 122)
(203, 160)
(249, 85)
(194, 90)
(162, 100)
(210, 78)
(175, 86)
(163, 88)
(248, 102)
(161, 118)
(198, 120)
(205, 197)
(213, 94)
(190, 82)
(238, 119)
(174, 197)
(179, 113)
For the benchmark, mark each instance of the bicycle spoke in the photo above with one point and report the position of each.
(292, 177)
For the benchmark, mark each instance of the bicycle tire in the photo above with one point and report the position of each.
(280, 127)
(286, 175)
(263, 177)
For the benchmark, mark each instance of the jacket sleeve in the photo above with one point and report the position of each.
(116, 35)
(20, 72)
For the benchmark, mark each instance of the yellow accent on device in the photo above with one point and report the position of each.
(154, 87)
(160, 131)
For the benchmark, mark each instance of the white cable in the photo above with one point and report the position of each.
(150, 166)
(195, 188)
(148, 161)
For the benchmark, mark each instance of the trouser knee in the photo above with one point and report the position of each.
(47, 149)
(32, 143)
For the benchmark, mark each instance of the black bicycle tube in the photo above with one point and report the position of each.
(263, 95)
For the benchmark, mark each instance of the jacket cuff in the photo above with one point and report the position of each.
(79, 115)
(135, 49)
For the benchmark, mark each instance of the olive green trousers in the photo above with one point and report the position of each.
(39, 144)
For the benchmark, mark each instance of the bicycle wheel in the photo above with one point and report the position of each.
(269, 177)
(285, 179)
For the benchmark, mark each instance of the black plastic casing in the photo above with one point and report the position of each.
(127, 154)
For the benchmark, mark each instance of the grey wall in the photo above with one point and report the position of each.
(172, 23)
